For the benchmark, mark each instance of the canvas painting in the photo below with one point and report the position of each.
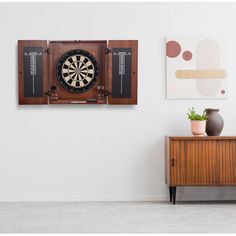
(196, 68)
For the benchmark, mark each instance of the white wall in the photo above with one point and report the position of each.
(119, 154)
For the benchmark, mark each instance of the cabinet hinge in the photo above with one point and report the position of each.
(107, 51)
(48, 50)
(52, 92)
(107, 93)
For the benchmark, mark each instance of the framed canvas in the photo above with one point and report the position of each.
(196, 68)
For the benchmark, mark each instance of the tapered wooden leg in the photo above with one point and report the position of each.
(174, 194)
(170, 193)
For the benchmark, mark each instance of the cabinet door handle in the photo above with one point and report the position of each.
(172, 162)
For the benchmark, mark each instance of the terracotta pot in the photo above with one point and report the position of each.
(198, 127)
(215, 122)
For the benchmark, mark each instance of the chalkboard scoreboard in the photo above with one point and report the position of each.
(121, 72)
(33, 71)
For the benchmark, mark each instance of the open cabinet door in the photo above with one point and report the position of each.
(32, 71)
(123, 72)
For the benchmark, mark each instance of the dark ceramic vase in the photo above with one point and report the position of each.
(215, 122)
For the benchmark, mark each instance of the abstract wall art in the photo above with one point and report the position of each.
(196, 68)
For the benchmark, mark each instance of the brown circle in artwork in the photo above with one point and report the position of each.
(223, 91)
(173, 49)
(187, 55)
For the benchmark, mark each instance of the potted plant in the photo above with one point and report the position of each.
(198, 122)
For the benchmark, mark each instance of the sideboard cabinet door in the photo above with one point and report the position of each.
(226, 150)
(193, 162)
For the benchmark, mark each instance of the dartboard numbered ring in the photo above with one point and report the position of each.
(77, 71)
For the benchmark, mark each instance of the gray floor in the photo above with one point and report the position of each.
(117, 217)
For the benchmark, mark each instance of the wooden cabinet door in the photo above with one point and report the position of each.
(226, 150)
(123, 72)
(32, 71)
(193, 162)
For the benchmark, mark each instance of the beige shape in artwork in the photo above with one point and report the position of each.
(208, 58)
(201, 74)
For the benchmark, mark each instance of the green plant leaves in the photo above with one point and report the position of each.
(192, 115)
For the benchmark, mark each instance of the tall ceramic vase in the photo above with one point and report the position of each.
(215, 122)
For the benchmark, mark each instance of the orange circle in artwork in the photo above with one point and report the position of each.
(187, 55)
(173, 49)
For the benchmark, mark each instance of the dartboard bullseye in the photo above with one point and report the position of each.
(77, 71)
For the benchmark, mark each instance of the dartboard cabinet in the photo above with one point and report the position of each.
(78, 72)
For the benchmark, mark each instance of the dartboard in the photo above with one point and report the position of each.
(77, 71)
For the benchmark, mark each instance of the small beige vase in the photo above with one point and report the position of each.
(198, 127)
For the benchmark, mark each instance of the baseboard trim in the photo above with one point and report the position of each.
(84, 198)
(108, 198)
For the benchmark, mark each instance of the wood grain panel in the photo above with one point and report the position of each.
(201, 160)
(167, 161)
(193, 162)
(226, 150)
(201, 137)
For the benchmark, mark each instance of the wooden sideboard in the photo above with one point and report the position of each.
(199, 161)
